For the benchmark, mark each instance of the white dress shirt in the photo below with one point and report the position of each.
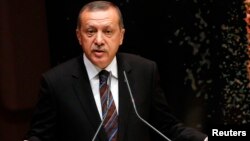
(93, 71)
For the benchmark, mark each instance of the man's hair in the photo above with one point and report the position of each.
(99, 5)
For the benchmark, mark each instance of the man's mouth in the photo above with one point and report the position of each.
(99, 53)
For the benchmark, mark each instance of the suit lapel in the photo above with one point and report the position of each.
(84, 93)
(125, 104)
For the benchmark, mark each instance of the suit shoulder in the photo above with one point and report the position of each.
(135, 59)
(65, 67)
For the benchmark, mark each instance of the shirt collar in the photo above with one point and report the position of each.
(93, 70)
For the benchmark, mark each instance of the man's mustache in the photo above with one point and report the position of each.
(99, 48)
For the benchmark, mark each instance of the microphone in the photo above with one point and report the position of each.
(135, 109)
(105, 115)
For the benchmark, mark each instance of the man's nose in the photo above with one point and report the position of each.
(99, 38)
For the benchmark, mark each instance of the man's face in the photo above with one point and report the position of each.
(100, 35)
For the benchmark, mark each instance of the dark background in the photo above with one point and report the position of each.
(199, 46)
(186, 38)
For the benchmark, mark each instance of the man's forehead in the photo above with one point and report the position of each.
(100, 16)
(109, 10)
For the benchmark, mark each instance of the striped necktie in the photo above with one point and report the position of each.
(108, 107)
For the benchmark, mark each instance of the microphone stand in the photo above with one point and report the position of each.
(135, 109)
(99, 128)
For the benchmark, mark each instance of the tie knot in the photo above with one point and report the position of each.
(103, 76)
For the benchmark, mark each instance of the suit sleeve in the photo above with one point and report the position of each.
(43, 122)
(165, 121)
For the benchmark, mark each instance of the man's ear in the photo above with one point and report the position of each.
(78, 35)
(122, 35)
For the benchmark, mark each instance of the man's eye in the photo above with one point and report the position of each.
(108, 32)
(90, 32)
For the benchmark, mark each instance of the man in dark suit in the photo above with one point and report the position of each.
(71, 108)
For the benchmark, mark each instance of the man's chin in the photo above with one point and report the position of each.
(100, 63)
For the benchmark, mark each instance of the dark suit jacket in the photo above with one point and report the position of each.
(67, 111)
